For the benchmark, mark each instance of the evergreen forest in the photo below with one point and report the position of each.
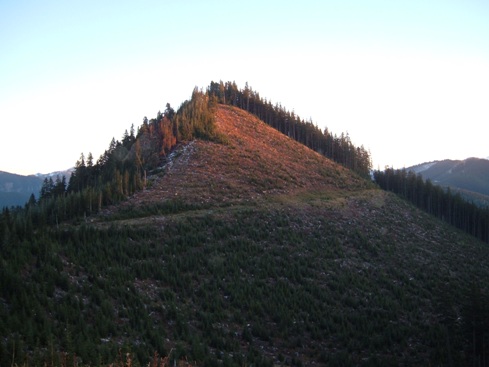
(438, 201)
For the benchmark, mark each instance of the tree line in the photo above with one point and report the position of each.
(435, 200)
(122, 169)
(119, 172)
(338, 148)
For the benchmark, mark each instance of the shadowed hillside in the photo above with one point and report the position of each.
(248, 250)
(16, 189)
(469, 177)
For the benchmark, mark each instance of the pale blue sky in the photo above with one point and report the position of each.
(407, 79)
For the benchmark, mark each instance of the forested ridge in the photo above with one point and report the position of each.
(469, 177)
(338, 148)
(436, 200)
(31, 235)
(122, 169)
(311, 265)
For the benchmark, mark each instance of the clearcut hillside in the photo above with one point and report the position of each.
(255, 162)
(254, 251)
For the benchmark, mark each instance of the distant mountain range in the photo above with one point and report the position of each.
(17, 189)
(470, 177)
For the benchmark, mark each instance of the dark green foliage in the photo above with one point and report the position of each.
(476, 316)
(213, 288)
(437, 201)
(121, 169)
(196, 118)
(470, 177)
(340, 149)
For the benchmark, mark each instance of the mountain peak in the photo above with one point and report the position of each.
(255, 161)
(229, 242)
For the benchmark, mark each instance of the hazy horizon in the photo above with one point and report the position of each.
(407, 80)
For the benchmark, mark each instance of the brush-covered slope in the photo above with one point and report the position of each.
(256, 251)
(254, 162)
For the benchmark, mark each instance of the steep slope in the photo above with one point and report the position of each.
(256, 161)
(313, 264)
(255, 252)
